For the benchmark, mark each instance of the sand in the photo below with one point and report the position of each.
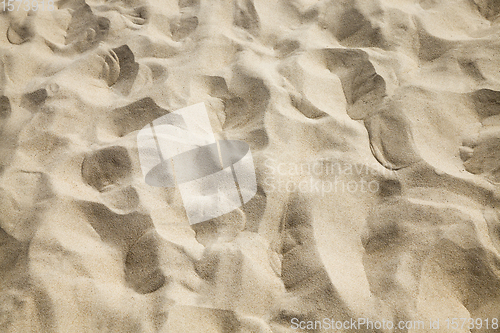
(374, 127)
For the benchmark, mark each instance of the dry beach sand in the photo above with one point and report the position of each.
(374, 127)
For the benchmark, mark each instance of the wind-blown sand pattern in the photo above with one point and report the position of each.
(375, 132)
